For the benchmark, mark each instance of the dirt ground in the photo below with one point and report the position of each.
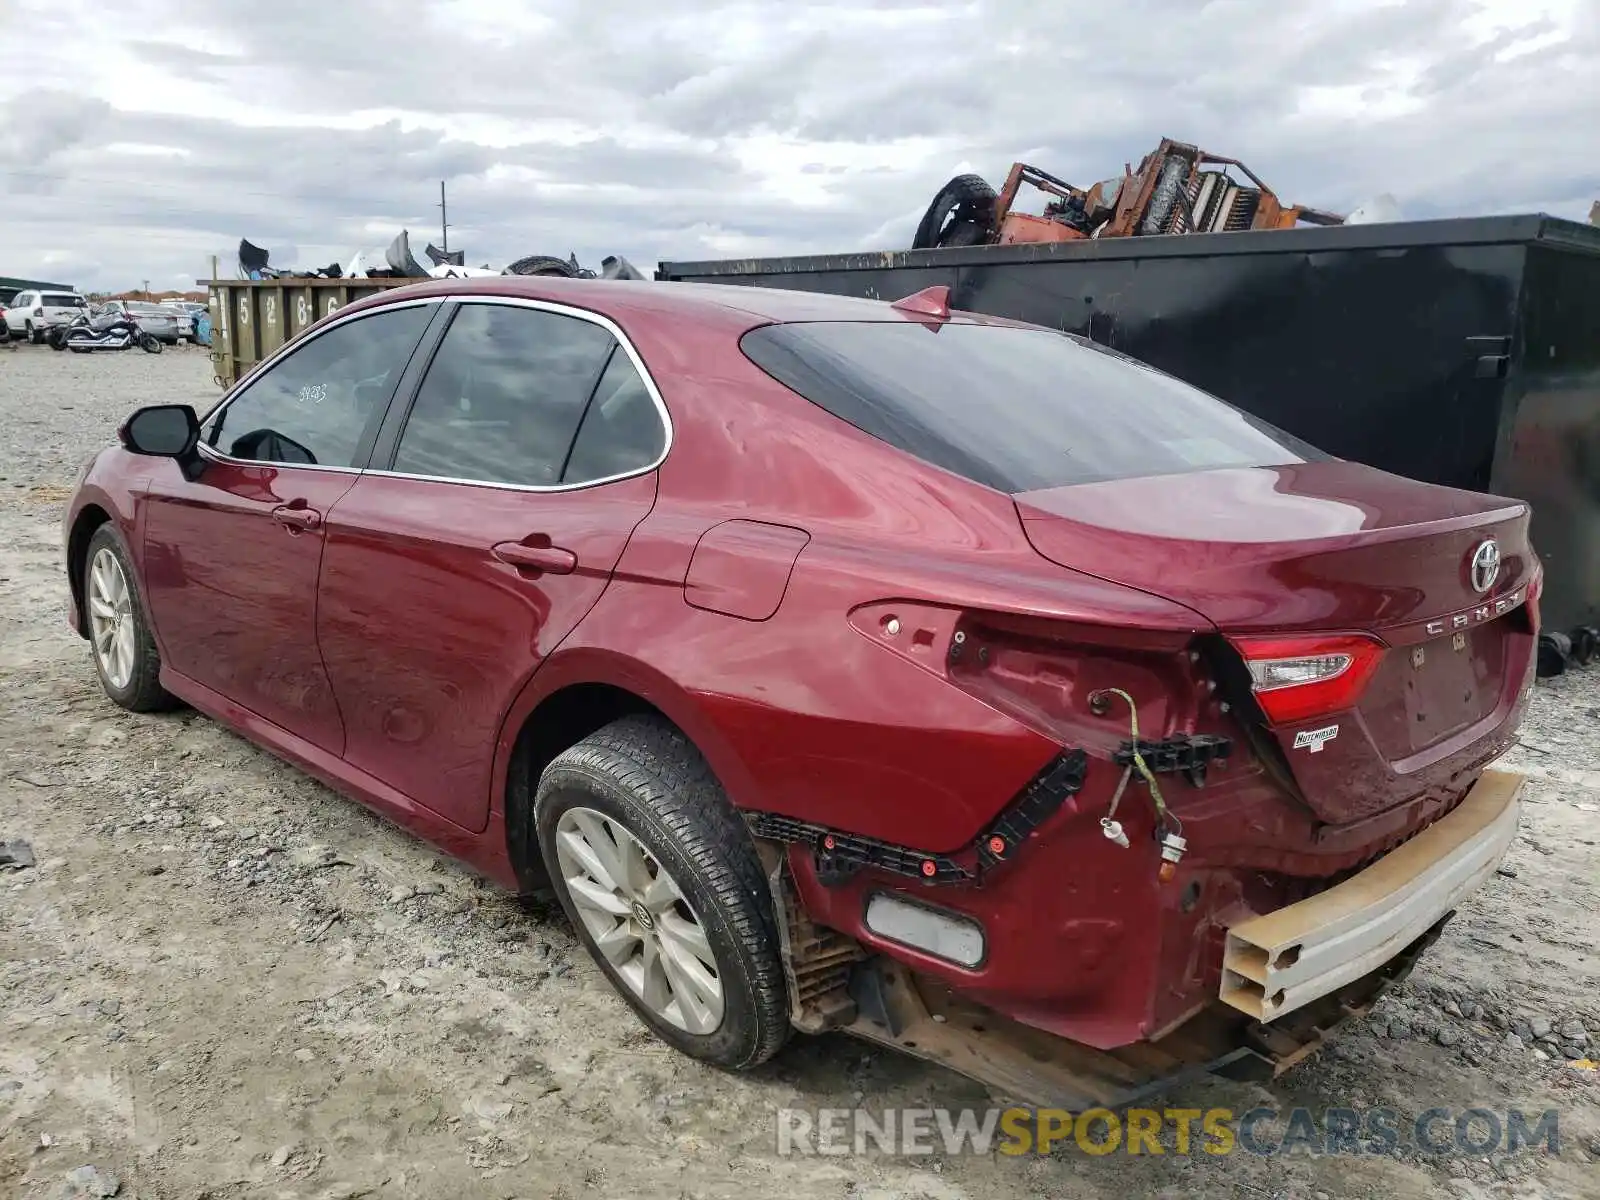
(223, 980)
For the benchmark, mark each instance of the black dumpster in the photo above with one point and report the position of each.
(1463, 352)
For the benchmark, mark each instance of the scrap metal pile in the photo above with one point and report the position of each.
(397, 262)
(1178, 188)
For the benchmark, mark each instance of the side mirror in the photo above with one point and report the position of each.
(163, 430)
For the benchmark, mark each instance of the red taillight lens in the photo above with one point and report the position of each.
(1298, 678)
(1535, 590)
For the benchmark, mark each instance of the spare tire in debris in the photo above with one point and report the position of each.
(543, 264)
(962, 214)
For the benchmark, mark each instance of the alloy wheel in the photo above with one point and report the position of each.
(111, 622)
(639, 920)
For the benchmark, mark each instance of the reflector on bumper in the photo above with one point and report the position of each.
(951, 936)
(1277, 962)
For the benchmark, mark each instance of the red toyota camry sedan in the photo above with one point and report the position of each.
(958, 683)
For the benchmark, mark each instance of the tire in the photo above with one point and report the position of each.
(1585, 644)
(58, 340)
(967, 201)
(965, 233)
(31, 332)
(149, 343)
(141, 690)
(543, 264)
(641, 774)
(1554, 654)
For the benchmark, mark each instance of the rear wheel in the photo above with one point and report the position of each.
(33, 334)
(125, 654)
(661, 881)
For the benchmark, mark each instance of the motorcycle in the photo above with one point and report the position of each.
(113, 331)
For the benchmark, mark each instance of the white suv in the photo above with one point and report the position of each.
(31, 314)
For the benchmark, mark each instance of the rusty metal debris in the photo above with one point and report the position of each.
(1177, 188)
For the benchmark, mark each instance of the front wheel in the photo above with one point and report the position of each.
(149, 343)
(58, 339)
(125, 654)
(661, 881)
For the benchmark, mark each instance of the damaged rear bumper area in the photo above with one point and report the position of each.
(1282, 961)
(1291, 977)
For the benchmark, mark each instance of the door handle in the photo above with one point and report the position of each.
(553, 559)
(296, 519)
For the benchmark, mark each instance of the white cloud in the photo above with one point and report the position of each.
(134, 150)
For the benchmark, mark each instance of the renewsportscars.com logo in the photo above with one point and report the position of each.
(1178, 1131)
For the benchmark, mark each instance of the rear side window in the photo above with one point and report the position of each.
(503, 398)
(60, 300)
(621, 431)
(1015, 409)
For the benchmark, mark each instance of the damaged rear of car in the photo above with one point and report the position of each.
(1267, 788)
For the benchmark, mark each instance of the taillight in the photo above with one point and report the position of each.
(1535, 591)
(1297, 678)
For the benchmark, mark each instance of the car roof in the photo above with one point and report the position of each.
(718, 303)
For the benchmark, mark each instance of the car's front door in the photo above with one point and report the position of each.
(232, 554)
(509, 491)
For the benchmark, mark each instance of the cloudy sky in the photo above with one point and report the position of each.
(134, 147)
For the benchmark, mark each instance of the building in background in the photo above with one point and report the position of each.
(9, 287)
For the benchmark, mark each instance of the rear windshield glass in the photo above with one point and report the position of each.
(58, 300)
(1016, 409)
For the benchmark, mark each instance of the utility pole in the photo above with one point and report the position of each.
(444, 220)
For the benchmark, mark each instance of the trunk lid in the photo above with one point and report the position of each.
(1330, 547)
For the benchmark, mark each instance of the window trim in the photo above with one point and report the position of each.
(562, 310)
(286, 351)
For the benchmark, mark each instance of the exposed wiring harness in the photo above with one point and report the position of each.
(1165, 817)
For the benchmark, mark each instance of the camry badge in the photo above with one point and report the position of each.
(1485, 565)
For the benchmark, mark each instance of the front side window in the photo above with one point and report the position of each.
(319, 405)
(504, 396)
(1014, 408)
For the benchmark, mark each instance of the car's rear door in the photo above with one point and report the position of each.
(508, 490)
(232, 553)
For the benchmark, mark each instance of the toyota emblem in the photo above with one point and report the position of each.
(1485, 565)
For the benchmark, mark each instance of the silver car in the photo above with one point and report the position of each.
(188, 313)
(160, 323)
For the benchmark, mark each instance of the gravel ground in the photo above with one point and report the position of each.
(222, 980)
